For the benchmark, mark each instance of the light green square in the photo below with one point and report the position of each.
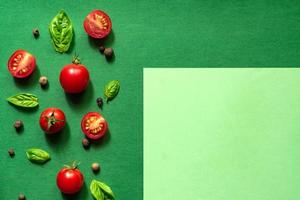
(222, 134)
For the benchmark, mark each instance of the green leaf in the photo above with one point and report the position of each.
(107, 190)
(37, 155)
(61, 31)
(111, 89)
(96, 190)
(101, 191)
(26, 100)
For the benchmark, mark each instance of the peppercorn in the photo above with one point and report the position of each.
(85, 143)
(22, 197)
(101, 49)
(18, 125)
(99, 102)
(108, 52)
(36, 32)
(95, 167)
(43, 81)
(11, 152)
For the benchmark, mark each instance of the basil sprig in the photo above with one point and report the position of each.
(26, 100)
(101, 191)
(61, 31)
(111, 89)
(37, 155)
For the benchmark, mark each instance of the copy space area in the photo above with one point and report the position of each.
(222, 134)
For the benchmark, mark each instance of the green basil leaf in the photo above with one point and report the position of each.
(107, 190)
(26, 100)
(111, 89)
(96, 190)
(37, 155)
(61, 31)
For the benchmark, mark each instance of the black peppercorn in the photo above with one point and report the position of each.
(101, 49)
(18, 124)
(11, 152)
(108, 52)
(85, 143)
(22, 197)
(99, 101)
(36, 32)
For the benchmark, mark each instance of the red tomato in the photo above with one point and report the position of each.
(74, 78)
(69, 180)
(93, 125)
(52, 120)
(97, 24)
(21, 64)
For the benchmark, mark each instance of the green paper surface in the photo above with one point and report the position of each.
(221, 134)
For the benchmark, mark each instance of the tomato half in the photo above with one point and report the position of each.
(21, 64)
(52, 120)
(69, 180)
(93, 125)
(97, 24)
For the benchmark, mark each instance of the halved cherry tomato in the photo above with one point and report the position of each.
(93, 125)
(21, 64)
(97, 24)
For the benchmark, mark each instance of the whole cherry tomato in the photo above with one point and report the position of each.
(74, 78)
(52, 120)
(21, 64)
(93, 125)
(69, 180)
(97, 24)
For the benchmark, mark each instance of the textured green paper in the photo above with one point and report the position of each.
(222, 134)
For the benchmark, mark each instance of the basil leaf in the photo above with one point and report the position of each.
(37, 155)
(61, 31)
(26, 100)
(111, 89)
(96, 190)
(107, 190)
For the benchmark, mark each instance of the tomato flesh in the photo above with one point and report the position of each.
(97, 24)
(93, 125)
(69, 180)
(74, 78)
(21, 64)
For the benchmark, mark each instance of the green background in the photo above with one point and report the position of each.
(235, 135)
(146, 33)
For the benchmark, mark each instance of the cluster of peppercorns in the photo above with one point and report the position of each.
(108, 52)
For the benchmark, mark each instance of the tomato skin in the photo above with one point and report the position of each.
(21, 64)
(97, 24)
(57, 116)
(69, 180)
(100, 122)
(74, 78)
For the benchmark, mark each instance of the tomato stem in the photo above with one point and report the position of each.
(74, 165)
(76, 59)
(52, 120)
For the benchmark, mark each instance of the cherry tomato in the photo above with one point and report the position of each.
(69, 180)
(74, 78)
(52, 120)
(21, 64)
(97, 24)
(93, 125)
